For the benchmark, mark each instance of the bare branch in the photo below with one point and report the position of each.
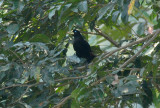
(106, 37)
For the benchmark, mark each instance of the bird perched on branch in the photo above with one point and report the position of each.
(82, 48)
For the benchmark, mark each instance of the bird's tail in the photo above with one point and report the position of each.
(91, 57)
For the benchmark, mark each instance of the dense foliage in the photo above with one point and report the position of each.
(38, 67)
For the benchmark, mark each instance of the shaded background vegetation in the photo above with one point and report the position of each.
(38, 67)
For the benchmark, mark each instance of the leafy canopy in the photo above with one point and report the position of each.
(38, 67)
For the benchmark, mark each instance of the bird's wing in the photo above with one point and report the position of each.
(87, 46)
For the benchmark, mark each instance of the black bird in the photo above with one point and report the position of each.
(82, 48)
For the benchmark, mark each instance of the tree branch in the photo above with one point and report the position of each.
(106, 37)
(27, 85)
(99, 81)
(22, 85)
(105, 55)
(79, 68)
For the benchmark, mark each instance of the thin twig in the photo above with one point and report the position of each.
(62, 84)
(22, 85)
(79, 68)
(70, 78)
(18, 58)
(99, 81)
(62, 102)
(156, 85)
(17, 100)
(21, 95)
(89, 33)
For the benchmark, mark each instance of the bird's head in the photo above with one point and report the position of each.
(76, 32)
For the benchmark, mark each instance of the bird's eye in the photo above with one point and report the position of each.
(75, 31)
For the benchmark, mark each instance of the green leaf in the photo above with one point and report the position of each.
(37, 75)
(67, 6)
(2, 75)
(75, 104)
(64, 12)
(75, 93)
(12, 28)
(83, 7)
(75, 9)
(96, 50)
(73, 58)
(115, 16)
(1, 20)
(104, 10)
(70, 25)
(124, 12)
(5, 68)
(21, 5)
(18, 4)
(141, 28)
(40, 38)
(79, 21)
(53, 10)
(48, 74)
